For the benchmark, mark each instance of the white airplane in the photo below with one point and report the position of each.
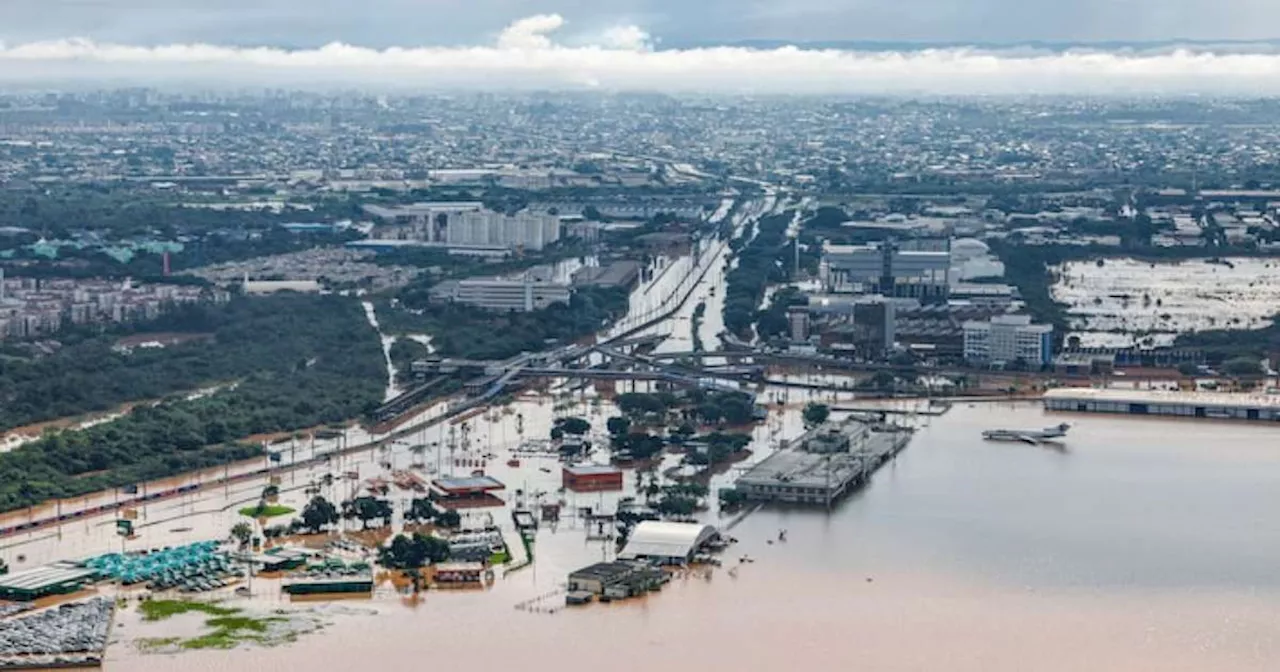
(1031, 436)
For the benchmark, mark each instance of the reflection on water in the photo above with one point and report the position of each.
(1145, 546)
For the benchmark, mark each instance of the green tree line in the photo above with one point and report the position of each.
(305, 360)
(760, 262)
(267, 338)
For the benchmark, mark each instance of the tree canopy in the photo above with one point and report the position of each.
(318, 362)
(412, 552)
(318, 514)
(816, 414)
(259, 338)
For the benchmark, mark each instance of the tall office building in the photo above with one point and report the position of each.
(798, 317)
(526, 230)
(1006, 339)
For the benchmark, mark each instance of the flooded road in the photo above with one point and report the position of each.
(1141, 545)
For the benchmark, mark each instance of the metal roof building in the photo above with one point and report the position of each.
(670, 543)
(1223, 405)
(57, 579)
(467, 484)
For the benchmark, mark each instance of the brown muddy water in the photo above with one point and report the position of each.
(1141, 544)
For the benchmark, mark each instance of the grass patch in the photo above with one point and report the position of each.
(229, 627)
(216, 640)
(230, 631)
(158, 610)
(268, 511)
(152, 643)
(237, 623)
(500, 558)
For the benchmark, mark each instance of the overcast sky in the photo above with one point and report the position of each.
(668, 45)
(382, 23)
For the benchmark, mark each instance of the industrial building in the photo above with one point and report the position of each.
(466, 224)
(419, 221)
(467, 492)
(667, 543)
(459, 573)
(616, 274)
(972, 259)
(524, 230)
(591, 477)
(798, 321)
(866, 325)
(56, 579)
(821, 465)
(329, 583)
(532, 290)
(886, 268)
(616, 580)
(1005, 339)
(1220, 405)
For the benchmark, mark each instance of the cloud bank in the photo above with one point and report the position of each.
(525, 56)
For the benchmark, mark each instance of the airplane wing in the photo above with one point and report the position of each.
(1026, 439)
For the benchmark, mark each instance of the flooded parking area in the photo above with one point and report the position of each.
(1127, 302)
(1132, 545)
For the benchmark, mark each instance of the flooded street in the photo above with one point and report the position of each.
(1138, 544)
(1141, 545)
(1108, 302)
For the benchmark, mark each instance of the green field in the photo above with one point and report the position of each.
(268, 511)
(229, 627)
(158, 610)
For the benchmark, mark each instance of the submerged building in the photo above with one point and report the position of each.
(617, 580)
(667, 543)
(1220, 405)
(822, 465)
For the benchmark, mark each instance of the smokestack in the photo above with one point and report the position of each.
(166, 263)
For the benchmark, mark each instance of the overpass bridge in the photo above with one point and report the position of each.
(407, 400)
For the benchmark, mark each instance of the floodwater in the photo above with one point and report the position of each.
(1110, 303)
(1139, 544)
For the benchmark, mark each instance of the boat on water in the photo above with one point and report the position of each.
(1032, 436)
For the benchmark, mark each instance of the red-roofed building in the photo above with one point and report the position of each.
(591, 477)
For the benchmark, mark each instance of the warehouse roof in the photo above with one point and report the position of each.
(468, 484)
(43, 578)
(1216, 399)
(592, 469)
(661, 539)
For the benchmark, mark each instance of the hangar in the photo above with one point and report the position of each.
(667, 543)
